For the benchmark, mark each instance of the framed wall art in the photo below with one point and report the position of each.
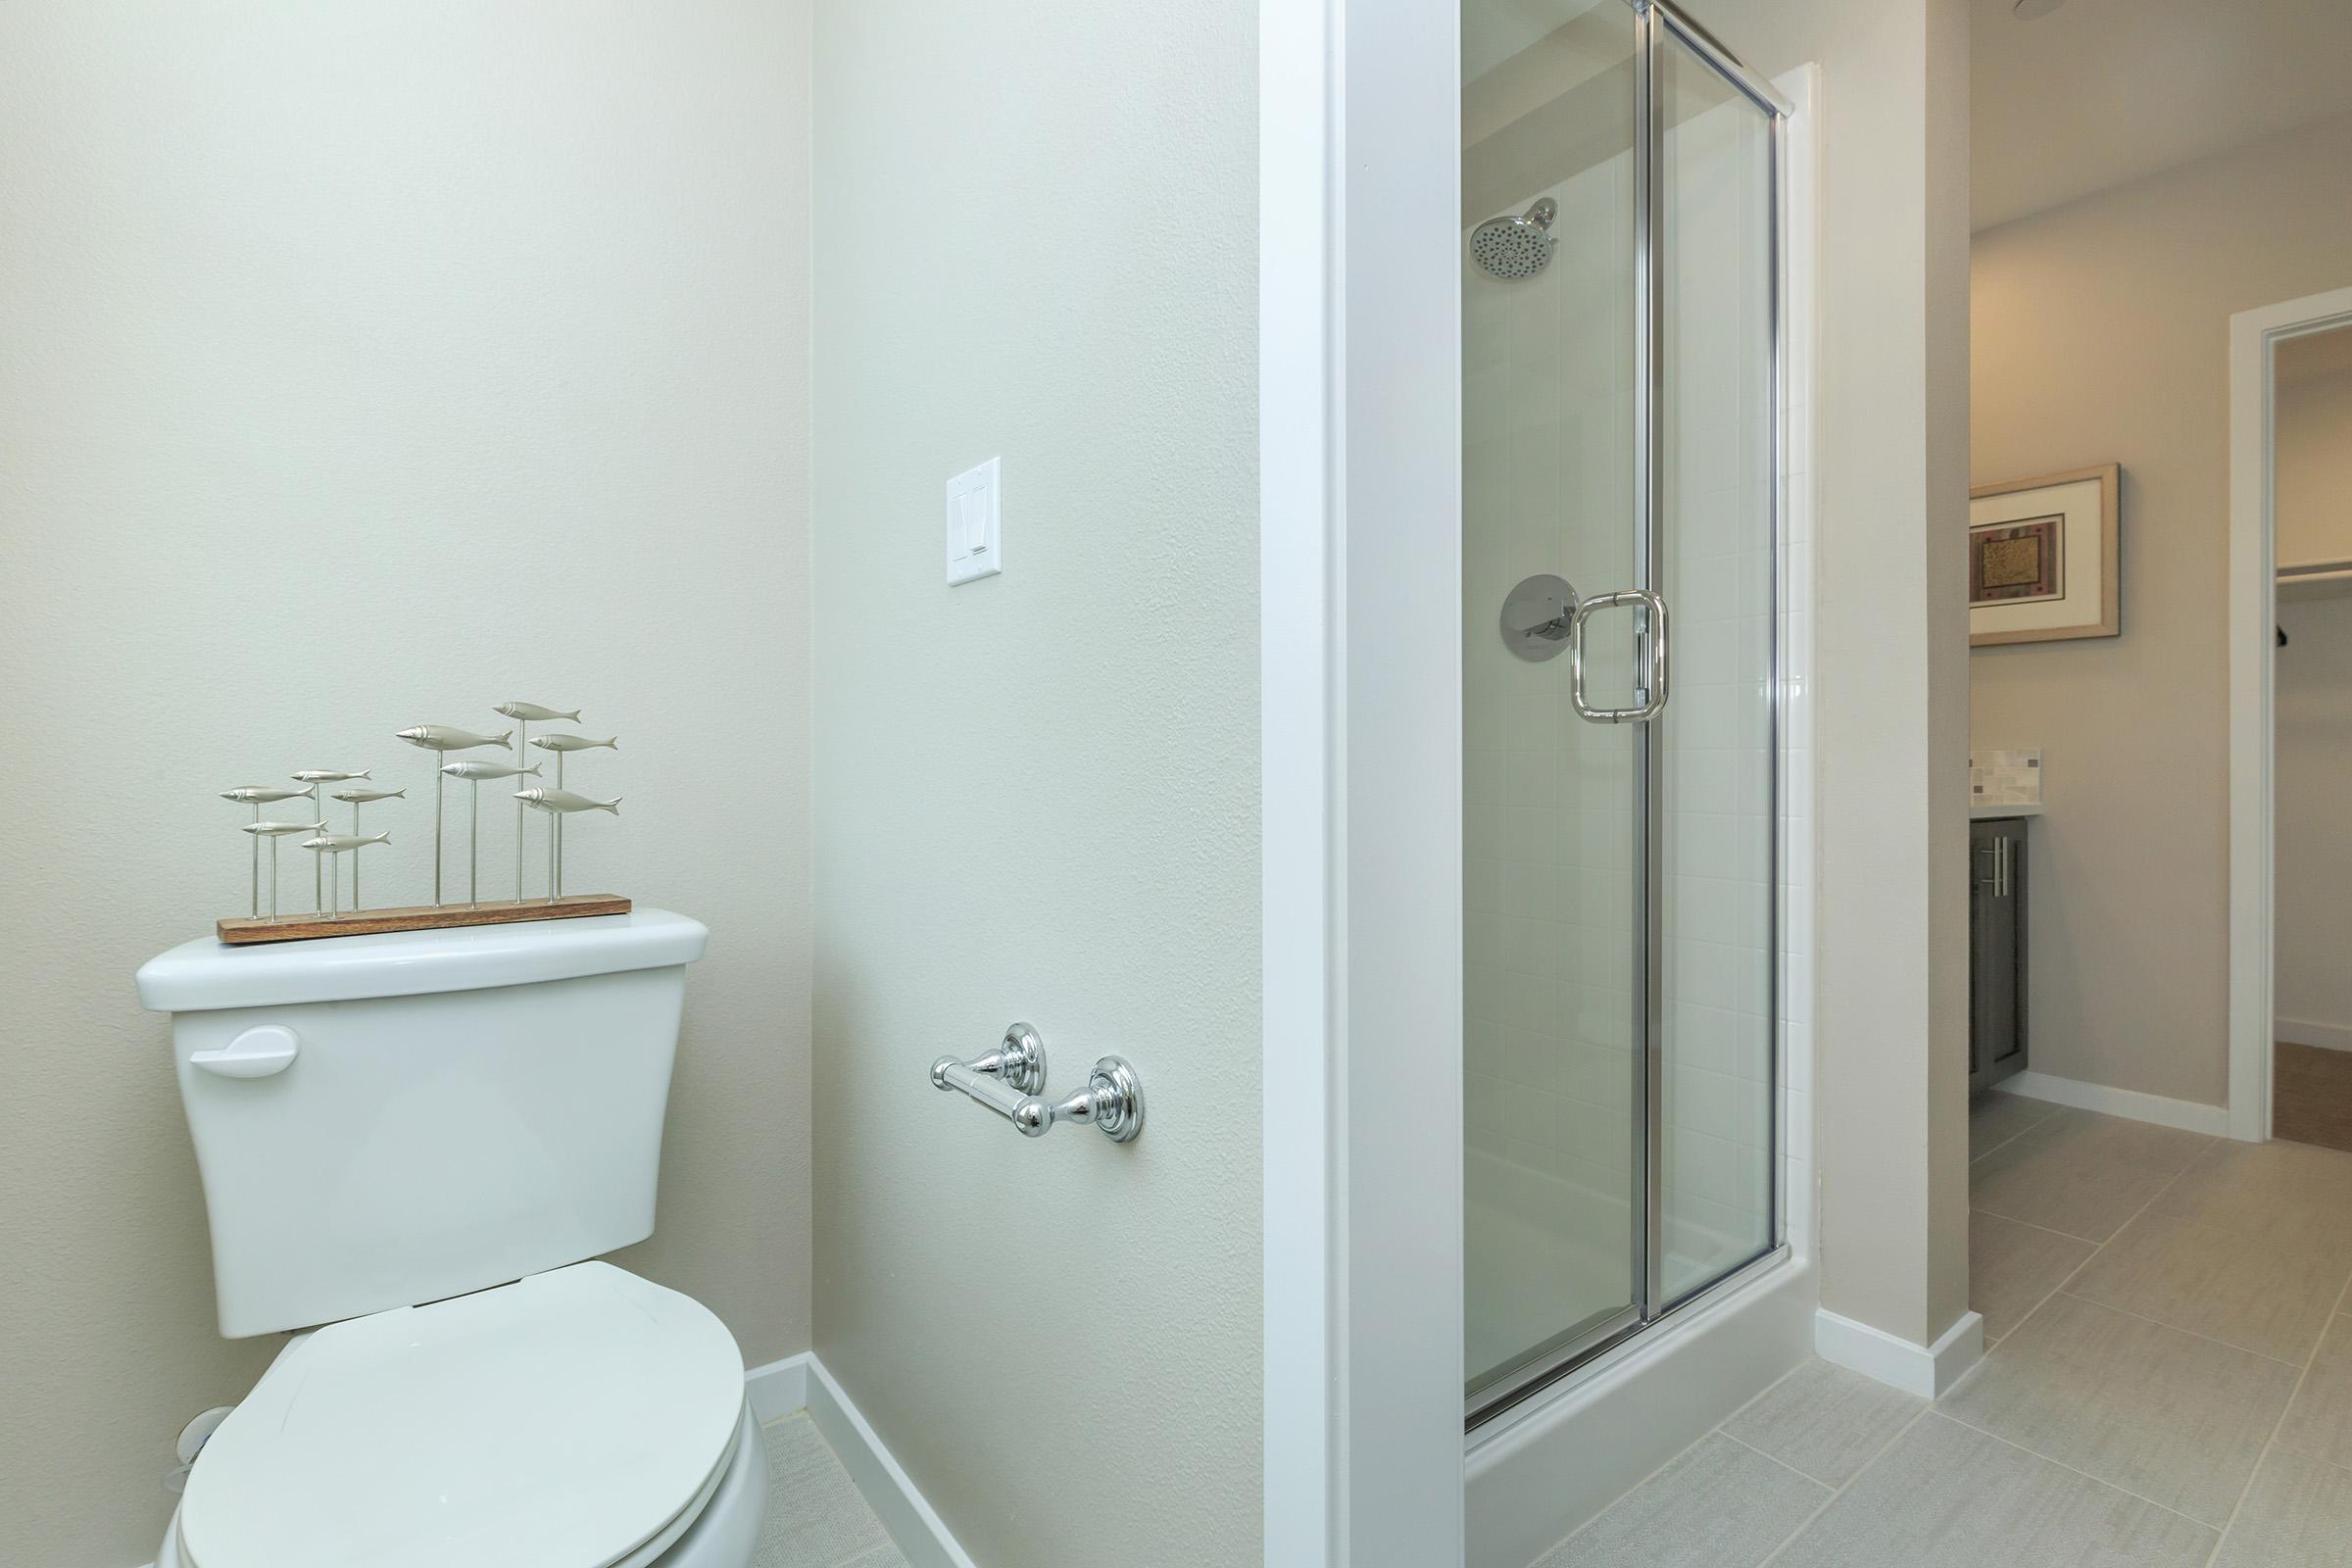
(2043, 558)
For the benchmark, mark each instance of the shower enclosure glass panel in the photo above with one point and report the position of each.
(1619, 413)
(1552, 1071)
(1715, 739)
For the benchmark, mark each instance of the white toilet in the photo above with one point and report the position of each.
(411, 1143)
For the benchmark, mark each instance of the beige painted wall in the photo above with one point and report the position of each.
(1037, 795)
(1889, 437)
(361, 366)
(2101, 332)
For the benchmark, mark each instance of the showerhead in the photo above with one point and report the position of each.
(1511, 248)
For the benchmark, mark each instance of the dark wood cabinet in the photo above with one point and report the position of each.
(1997, 970)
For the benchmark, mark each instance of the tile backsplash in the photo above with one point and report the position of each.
(2004, 777)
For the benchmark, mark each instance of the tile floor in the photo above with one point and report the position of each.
(2167, 1382)
(816, 1516)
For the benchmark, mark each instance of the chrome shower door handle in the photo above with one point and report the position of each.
(1651, 683)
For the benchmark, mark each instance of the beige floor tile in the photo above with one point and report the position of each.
(2227, 1283)
(2318, 1422)
(2012, 1268)
(1720, 1506)
(1947, 1497)
(2082, 1173)
(2298, 1514)
(1995, 1119)
(1825, 1420)
(2170, 1417)
(2291, 1193)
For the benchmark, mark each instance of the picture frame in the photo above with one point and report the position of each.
(2044, 557)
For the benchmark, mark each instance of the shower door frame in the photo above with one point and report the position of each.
(1655, 22)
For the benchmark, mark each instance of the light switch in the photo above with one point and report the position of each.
(975, 514)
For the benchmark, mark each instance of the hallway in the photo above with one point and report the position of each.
(2168, 1381)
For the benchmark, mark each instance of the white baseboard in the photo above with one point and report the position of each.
(779, 1388)
(801, 1383)
(2186, 1115)
(888, 1490)
(1927, 1370)
(2303, 1032)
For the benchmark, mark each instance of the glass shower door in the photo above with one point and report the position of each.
(1552, 1077)
(1620, 470)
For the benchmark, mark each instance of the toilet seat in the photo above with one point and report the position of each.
(570, 1419)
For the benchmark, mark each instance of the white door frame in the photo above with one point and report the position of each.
(2253, 619)
(1361, 643)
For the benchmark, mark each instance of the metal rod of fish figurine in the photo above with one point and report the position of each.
(445, 738)
(356, 798)
(473, 773)
(339, 844)
(559, 804)
(274, 831)
(562, 746)
(255, 795)
(525, 714)
(314, 777)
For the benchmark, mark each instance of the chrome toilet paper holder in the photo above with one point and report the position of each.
(1010, 1081)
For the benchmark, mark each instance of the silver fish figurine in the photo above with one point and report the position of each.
(277, 829)
(262, 794)
(324, 776)
(477, 771)
(533, 713)
(337, 842)
(363, 797)
(574, 743)
(449, 738)
(567, 801)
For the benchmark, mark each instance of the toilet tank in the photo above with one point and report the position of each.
(386, 1120)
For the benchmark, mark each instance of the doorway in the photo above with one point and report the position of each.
(2290, 1054)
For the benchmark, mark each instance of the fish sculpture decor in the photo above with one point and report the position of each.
(330, 917)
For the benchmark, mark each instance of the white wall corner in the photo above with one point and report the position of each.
(2186, 1115)
(1927, 1370)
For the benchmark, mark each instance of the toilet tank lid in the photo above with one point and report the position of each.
(203, 976)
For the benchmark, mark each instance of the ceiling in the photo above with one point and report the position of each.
(2103, 92)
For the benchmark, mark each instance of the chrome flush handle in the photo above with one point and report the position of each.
(1651, 686)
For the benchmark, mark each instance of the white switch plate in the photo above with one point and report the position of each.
(975, 518)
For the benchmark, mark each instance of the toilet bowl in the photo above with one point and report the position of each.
(582, 1418)
(415, 1146)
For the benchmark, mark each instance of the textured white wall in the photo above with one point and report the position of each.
(360, 367)
(1037, 795)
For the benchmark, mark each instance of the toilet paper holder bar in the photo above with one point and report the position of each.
(1010, 1081)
